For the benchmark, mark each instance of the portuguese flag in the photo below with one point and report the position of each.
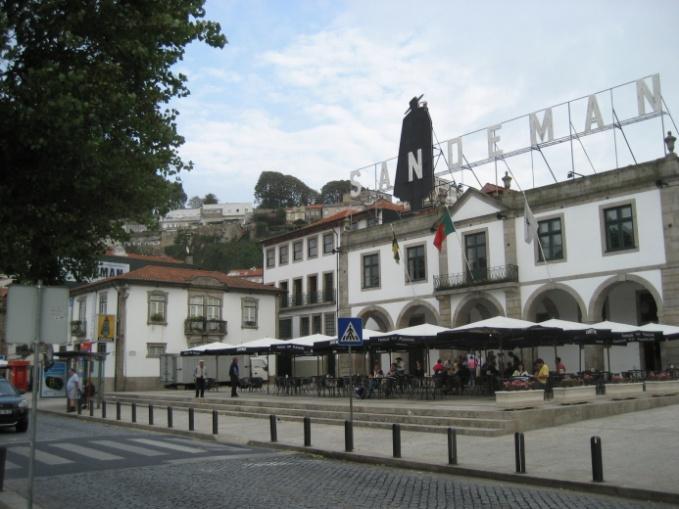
(444, 228)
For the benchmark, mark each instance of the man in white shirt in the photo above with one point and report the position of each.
(200, 376)
(72, 390)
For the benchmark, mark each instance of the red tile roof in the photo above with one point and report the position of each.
(178, 276)
(254, 272)
(150, 258)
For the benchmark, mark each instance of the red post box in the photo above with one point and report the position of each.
(19, 373)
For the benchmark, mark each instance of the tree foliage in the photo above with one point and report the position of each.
(87, 139)
(275, 190)
(210, 199)
(208, 252)
(333, 191)
(195, 202)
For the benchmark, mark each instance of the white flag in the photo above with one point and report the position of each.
(530, 225)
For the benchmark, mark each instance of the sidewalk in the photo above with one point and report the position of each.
(639, 449)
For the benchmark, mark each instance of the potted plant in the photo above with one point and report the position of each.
(619, 387)
(572, 390)
(661, 384)
(518, 394)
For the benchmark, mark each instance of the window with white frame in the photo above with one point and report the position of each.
(103, 303)
(619, 228)
(371, 271)
(312, 247)
(304, 326)
(271, 257)
(155, 350)
(416, 264)
(328, 243)
(249, 312)
(205, 306)
(283, 255)
(157, 307)
(297, 251)
(550, 235)
(330, 324)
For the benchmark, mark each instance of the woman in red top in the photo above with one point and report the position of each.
(438, 367)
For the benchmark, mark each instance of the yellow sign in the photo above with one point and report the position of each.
(106, 329)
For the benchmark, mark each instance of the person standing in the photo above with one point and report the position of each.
(200, 376)
(234, 376)
(72, 390)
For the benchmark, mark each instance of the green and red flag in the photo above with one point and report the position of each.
(445, 228)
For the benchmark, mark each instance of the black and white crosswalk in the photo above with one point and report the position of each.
(111, 452)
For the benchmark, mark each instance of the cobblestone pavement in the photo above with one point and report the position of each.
(269, 479)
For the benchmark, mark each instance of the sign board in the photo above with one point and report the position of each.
(23, 305)
(106, 328)
(53, 383)
(350, 332)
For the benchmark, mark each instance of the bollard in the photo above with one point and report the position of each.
(520, 453)
(272, 425)
(169, 417)
(91, 408)
(117, 410)
(103, 409)
(190, 419)
(452, 446)
(134, 412)
(215, 422)
(79, 407)
(396, 432)
(3, 458)
(307, 432)
(150, 415)
(597, 461)
(348, 436)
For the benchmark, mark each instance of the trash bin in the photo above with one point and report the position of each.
(20, 373)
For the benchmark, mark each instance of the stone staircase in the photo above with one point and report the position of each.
(418, 418)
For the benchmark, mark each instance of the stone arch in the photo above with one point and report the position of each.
(529, 310)
(379, 315)
(603, 290)
(485, 305)
(417, 307)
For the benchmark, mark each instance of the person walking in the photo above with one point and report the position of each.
(233, 375)
(200, 376)
(72, 390)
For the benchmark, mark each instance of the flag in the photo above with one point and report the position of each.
(444, 229)
(394, 247)
(530, 225)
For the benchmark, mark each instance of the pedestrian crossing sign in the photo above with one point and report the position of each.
(349, 332)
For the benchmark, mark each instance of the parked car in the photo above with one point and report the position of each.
(13, 407)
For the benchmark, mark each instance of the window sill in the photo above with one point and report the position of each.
(156, 323)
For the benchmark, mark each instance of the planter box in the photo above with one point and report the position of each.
(516, 400)
(573, 395)
(624, 391)
(662, 387)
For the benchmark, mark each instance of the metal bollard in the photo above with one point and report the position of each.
(117, 410)
(191, 419)
(307, 432)
(520, 453)
(3, 458)
(348, 436)
(91, 408)
(150, 415)
(79, 407)
(452, 446)
(103, 409)
(597, 461)
(396, 432)
(215, 422)
(169, 417)
(272, 425)
(134, 412)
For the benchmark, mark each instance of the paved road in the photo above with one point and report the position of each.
(106, 466)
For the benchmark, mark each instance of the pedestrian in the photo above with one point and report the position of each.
(233, 375)
(200, 376)
(72, 390)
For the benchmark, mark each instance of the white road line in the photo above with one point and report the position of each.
(166, 445)
(41, 456)
(142, 451)
(9, 465)
(88, 452)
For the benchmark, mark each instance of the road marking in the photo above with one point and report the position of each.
(41, 456)
(88, 452)
(142, 451)
(166, 445)
(9, 465)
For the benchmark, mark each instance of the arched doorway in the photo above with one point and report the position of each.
(475, 309)
(376, 318)
(555, 302)
(417, 313)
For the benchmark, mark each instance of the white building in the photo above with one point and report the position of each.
(218, 213)
(155, 310)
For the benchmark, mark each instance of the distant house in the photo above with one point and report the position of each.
(254, 274)
(218, 213)
(160, 309)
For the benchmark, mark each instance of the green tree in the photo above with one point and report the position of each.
(87, 139)
(210, 253)
(195, 202)
(333, 191)
(275, 190)
(210, 199)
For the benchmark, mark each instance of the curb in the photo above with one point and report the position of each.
(578, 486)
(582, 487)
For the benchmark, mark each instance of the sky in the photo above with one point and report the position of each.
(316, 89)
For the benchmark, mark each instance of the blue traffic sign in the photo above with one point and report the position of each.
(349, 332)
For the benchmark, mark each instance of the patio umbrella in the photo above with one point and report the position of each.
(578, 333)
(624, 333)
(209, 348)
(669, 331)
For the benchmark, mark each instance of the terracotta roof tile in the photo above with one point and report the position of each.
(155, 258)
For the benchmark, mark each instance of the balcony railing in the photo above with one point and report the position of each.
(204, 327)
(491, 275)
(79, 328)
(308, 299)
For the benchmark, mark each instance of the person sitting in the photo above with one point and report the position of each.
(520, 371)
(541, 374)
(438, 367)
(400, 370)
(560, 367)
(490, 373)
(419, 370)
(375, 379)
(390, 380)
